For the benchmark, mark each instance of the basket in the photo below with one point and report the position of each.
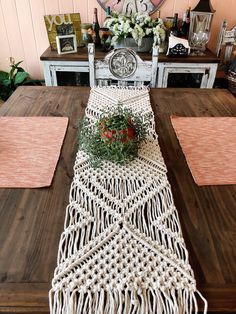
(232, 82)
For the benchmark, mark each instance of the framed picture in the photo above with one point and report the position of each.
(128, 7)
(66, 44)
(63, 24)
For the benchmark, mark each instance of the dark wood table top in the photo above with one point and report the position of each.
(82, 55)
(32, 219)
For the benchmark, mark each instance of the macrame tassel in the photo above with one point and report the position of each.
(130, 301)
(204, 300)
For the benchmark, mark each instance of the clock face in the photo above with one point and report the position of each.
(130, 6)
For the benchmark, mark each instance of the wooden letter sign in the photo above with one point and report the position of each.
(63, 24)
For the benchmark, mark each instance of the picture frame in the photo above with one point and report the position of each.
(66, 44)
(63, 24)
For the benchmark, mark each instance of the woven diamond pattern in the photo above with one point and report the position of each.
(122, 250)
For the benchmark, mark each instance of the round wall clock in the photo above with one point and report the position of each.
(130, 6)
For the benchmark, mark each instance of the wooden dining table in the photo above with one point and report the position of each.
(31, 220)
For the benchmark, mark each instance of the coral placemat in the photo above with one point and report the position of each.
(209, 146)
(29, 150)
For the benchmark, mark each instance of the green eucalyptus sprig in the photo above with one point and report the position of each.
(116, 136)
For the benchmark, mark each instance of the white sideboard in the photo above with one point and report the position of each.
(203, 66)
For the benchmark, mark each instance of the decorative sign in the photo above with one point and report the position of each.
(178, 51)
(63, 24)
(229, 37)
(131, 6)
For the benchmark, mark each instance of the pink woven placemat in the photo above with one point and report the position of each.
(29, 150)
(209, 146)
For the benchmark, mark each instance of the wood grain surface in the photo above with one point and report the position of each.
(207, 214)
(32, 219)
(82, 55)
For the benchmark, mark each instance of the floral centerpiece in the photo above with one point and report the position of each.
(137, 26)
(116, 136)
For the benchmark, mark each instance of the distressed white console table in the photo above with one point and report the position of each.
(205, 66)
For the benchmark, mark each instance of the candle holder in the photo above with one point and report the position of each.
(200, 24)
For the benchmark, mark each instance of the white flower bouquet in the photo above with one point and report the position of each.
(137, 26)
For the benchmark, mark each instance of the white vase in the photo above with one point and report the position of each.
(146, 45)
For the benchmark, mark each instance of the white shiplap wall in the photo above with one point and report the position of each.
(23, 34)
(22, 30)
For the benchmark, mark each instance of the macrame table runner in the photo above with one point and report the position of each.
(122, 250)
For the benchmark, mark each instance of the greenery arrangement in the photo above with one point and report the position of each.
(116, 136)
(17, 76)
(137, 26)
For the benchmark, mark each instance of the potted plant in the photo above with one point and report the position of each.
(116, 136)
(17, 76)
(232, 75)
(137, 31)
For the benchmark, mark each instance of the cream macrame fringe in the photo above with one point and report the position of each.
(122, 250)
(128, 301)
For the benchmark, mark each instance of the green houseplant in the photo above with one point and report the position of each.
(17, 76)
